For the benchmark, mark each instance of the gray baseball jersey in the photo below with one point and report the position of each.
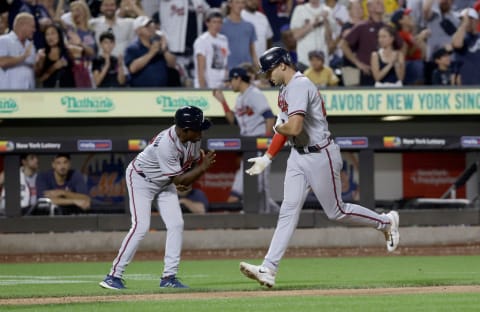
(317, 167)
(148, 179)
(249, 109)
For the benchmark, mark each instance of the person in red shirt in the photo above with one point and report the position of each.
(414, 47)
(476, 6)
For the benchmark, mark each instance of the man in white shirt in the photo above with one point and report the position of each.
(308, 26)
(260, 23)
(122, 28)
(211, 52)
(17, 54)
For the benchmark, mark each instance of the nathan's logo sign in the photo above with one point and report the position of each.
(91, 104)
(171, 104)
(8, 105)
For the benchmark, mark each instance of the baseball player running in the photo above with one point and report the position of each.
(314, 161)
(254, 117)
(167, 163)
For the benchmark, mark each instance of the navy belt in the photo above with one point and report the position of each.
(311, 149)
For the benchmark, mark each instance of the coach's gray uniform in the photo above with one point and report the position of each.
(148, 178)
(320, 170)
(249, 109)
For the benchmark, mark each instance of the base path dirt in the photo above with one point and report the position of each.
(245, 294)
(471, 249)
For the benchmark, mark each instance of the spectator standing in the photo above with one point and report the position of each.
(362, 40)
(416, 13)
(263, 30)
(278, 14)
(350, 73)
(64, 186)
(183, 20)
(28, 183)
(79, 33)
(290, 43)
(54, 64)
(341, 16)
(240, 34)
(211, 52)
(388, 63)
(308, 26)
(443, 74)
(17, 54)
(148, 57)
(130, 9)
(466, 42)
(122, 28)
(39, 13)
(108, 70)
(253, 115)
(443, 23)
(414, 48)
(192, 200)
(320, 74)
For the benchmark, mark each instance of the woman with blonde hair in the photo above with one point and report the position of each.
(388, 62)
(82, 38)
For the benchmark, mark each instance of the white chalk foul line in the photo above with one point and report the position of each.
(75, 279)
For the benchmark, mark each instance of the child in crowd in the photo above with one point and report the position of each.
(318, 73)
(443, 75)
(108, 70)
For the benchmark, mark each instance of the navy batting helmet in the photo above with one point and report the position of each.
(272, 57)
(191, 117)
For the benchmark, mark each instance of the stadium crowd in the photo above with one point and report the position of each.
(194, 43)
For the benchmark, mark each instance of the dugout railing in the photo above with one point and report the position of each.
(366, 146)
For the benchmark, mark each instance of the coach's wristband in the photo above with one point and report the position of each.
(226, 109)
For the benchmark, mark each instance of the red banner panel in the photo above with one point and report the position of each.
(431, 174)
(217, 182)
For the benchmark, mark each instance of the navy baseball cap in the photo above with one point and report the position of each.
(397, 16)
(238, 72)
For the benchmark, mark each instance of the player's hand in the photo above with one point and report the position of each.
(279, 122)
(208, 159)
(183, 188)
(259, 165)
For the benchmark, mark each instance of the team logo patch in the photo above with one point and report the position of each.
(6, 146)
(94, 145)
(224, 144)
(136, 145)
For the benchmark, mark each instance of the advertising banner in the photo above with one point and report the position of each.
(163, 103)
(429, 175)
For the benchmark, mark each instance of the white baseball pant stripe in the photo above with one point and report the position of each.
(141, 195)
(320, 171)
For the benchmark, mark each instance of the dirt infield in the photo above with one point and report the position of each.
(473, 249)
(248, 254)
(244, 294)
